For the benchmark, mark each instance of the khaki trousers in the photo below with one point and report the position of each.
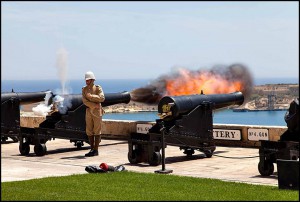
(93, 120)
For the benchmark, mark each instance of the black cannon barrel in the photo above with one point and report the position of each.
(73, 101)
(173, 106)
(116, 98)
(25, 97)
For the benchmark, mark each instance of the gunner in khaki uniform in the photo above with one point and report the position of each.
(92, 96)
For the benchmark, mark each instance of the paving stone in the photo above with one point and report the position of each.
(63, 158)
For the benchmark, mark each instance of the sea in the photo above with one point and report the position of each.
(227, 116)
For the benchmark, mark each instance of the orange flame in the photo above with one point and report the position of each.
(189, 82)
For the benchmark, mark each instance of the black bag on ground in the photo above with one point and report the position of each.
(94, 169)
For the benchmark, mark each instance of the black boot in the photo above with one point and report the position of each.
(95, 153)
(90, 153)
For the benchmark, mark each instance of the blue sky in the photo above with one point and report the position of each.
(140, 39)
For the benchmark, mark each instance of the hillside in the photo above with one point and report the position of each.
(272, 96)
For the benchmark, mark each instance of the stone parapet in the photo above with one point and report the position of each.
(245, 135)
(271, 133)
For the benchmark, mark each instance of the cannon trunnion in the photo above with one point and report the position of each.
(188, 124)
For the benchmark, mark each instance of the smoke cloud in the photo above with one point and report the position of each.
(62, 67)
(43, 109)
(59, 101)
(63, 103)
(181, 78)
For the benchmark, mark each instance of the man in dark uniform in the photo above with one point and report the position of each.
(92, 96)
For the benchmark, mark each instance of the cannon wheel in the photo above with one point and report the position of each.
(155, 159)
(265, 168)
(208, 153)
(40, 149)
(24, 148)
(133, 157)
(79, 144)
(189, 151)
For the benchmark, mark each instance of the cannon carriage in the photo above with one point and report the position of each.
(10, 111)
(287, 148)
(187, 122)
(66, 122)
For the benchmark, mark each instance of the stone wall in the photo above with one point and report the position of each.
(120, 129)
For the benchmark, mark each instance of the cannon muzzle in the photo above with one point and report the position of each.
(291, 118)
(173, 106)
(73, 101)
(25, 97)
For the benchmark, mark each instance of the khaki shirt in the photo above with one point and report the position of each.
(97, 96)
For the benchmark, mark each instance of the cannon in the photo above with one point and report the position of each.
(10, 111)
(67, 122)
(187, 122)
(287, 148)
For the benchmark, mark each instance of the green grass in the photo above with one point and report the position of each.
(133, 186)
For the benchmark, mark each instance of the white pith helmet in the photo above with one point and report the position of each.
(89, 75)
